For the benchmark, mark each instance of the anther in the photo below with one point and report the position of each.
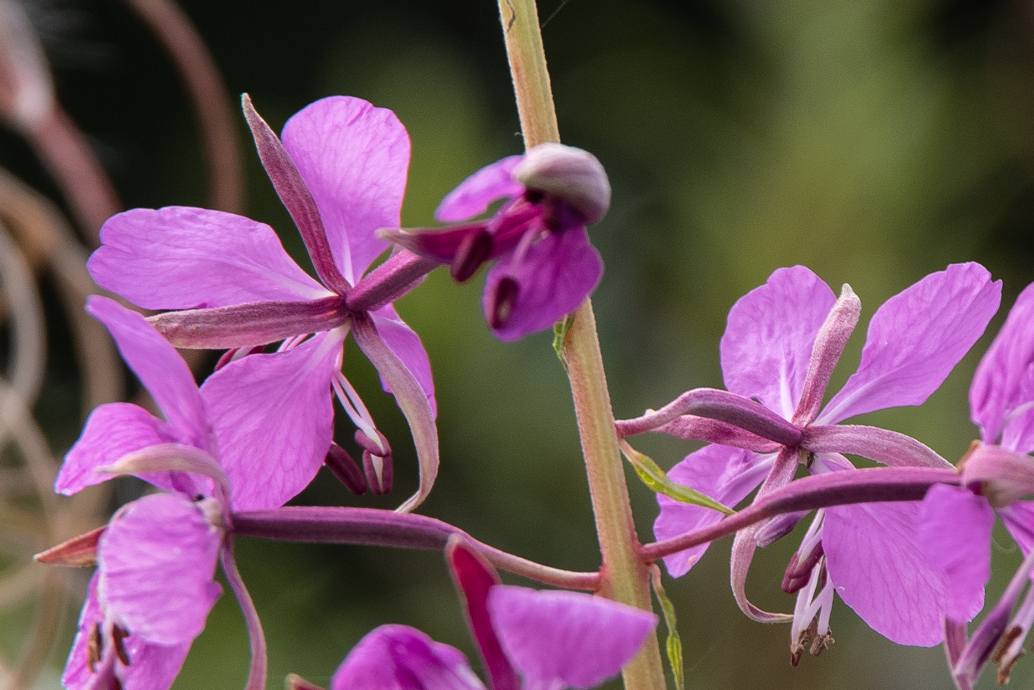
(345, 469)
(118, 634)
(94, 648)
(502, 300)
(474, 249)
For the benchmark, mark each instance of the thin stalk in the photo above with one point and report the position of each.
(625, 576)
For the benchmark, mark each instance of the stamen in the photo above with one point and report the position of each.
(94, 648)
(503, 298)
(353, 405)
(474, 249)
(118, 634)
(345, 469)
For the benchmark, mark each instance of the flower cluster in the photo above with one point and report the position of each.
(906, 546)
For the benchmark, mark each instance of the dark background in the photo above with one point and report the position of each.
(874, 142)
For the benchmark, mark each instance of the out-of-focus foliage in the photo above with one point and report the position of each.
(874, 141)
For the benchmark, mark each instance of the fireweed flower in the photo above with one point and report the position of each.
(535, 640)
(341, 172)
(781, 344)
(956, 522)
(156, 558)
(545, 266)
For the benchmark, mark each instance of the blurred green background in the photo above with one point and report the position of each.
(874, 142)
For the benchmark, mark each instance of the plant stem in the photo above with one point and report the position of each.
(625, 576)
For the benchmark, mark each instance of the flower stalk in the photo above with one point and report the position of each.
(625, 576)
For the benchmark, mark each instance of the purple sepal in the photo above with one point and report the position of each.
(559, 639)
(397, 657)
(475, 578)
(473, 196)
(157, 560)
(295, 196)
(954, 535)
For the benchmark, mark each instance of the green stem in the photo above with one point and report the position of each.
(624, 576)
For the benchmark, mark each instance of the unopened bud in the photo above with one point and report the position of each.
(26, 89)
(1004, 476)
(345, 469)
(571, 175)
(377, 462)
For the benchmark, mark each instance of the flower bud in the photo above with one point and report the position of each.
(1003, 475)
(567, 174)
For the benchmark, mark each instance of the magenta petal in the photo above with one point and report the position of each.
(955, 537)
(878, 569)
(1019, 520)
(353, 158)
(405, 343)
(77, 673)
(1004, 381)
(916, 338)
(726, 475)
(560, 639)
(397, 657)
(180, 258)
(273, 417)
(158, 366)
(111, 431)
(157, 560)
(766, 348)
(473, 196)
(554, 278)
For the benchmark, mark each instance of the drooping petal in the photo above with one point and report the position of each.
(878, 569)
(157, 560)
(916, 338)
(397, 657)
(473, 196)
(766, 348)
(411, 399)
(560, 639)
(1004, 382)
(181, 258)
(112, 431)
(553, 278)
(954, 535)
(726, 475)
(405, 343)
(273, 417)
(353, 158)
(158, 366)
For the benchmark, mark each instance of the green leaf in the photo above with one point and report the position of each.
(674, 643)
(559, 334)
(655, 478)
